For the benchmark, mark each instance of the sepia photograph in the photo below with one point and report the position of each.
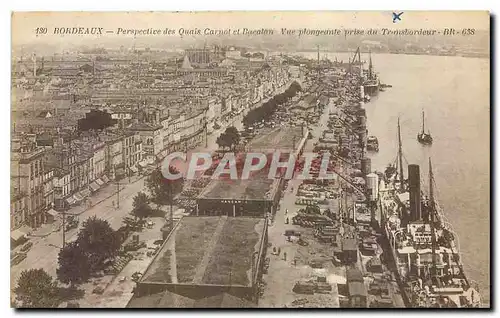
(250, 159)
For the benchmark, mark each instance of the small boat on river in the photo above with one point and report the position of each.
(423, 137)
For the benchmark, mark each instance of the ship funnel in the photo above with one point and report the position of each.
(366, 166)
(414, 183)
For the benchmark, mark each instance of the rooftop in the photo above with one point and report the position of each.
(251, 189)
(169, 299)
(284, 138)
(208, 251)
(144, 127)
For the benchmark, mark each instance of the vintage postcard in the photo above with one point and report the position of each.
(250, 159)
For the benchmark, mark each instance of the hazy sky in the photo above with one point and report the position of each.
(24, 24)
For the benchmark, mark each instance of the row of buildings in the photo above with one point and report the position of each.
(50, 176)
(53, 166)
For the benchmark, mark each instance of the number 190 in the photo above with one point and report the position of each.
(41, 31)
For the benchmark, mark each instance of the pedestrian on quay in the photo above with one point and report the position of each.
(279, 250)
(284, 256)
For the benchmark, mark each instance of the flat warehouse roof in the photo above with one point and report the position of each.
(208, 251)
(251, 189)
(283, 138)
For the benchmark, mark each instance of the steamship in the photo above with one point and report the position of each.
(372, 82)
(425, 250)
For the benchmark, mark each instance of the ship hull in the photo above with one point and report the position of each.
(405, 290)
(371, 89)
(373, 148)
(424, 139)
(393, 257)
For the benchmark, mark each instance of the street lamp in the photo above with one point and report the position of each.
(254, 270)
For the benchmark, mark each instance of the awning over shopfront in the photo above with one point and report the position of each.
(16, 235)
(99, 182)
(85, 192)
(70, 200)
(94, 186)
(133, 169)
(19, 233)
(120, 172)
(52, 212)
(105, 178)
(78, 196)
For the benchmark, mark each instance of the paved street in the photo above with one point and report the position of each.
(278, 292)
(118, 291)
(236, 121)
(47, 243)
(45, 250)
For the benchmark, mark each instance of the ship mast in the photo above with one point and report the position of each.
(400, 157)
(318, 64)
(432, 221)
(423, 123)
(317, 47)
(370, 66)
(351, 63)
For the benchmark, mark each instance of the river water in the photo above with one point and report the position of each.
(455, 94)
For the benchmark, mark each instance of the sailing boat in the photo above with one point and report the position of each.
(423, 137)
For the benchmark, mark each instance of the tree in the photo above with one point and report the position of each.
(229, 138)
(95, 120)
(222, 141)
(233, 136)
(131, 224)
(36, 289)
(268, 108)
(74, 267)
(141, 208)
(98, 241)
(162, 190)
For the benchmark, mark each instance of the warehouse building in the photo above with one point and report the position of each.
(206, 262)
